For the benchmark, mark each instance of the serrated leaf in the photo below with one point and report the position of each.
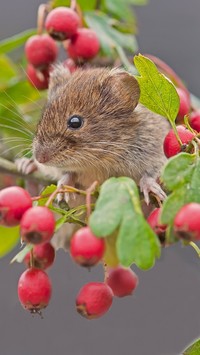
(47, 191)
(178, 170)
(188, 190)
(21, 255)
(136, 242)
(9, 237)
(15, 41)
(109, 37)
(193, 349)
(118, 210)
(157, 93)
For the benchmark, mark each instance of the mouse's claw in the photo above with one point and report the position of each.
(65, 197)
(25, 165)
(148, 184)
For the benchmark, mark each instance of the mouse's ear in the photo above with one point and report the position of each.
(125, 86)
(58, 78)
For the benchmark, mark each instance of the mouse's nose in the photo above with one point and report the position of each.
(42, 154)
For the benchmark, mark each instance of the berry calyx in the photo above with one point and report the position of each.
(122, 281)
(171, 145)
(37, 225)
(184, 107)
(38, 78)
(14, 202)
(62, 23)
(84, 44)
(34, 290)
(41, 50)
(195, 120)
(94, 299)
(158, 228)
(43, 256)
(85, 248)
(187, 222)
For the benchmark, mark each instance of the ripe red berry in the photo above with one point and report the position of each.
(195, 120)
(14, 201)
(158, 228)
(84, 44)
(37, 225)
(122, 281)
(85, 248)
(41, 50)
(38, 78)
(184, 107)
(171, 145)
(62, 23)
(34, 289)
(187, 222)
(43, 256)
(94, 299)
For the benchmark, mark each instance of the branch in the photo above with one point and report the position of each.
(8, 167)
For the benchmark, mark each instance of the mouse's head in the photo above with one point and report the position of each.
(86, 121)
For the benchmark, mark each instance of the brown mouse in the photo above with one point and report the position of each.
(93, 128)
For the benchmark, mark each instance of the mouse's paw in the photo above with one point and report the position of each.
(25, 165)
(148, 184)
(64, 198)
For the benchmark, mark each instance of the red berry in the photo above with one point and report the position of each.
(37, 225)
(62, 23)
(85, 248)
(195, 120)
(187, 222)
(171, 145)
(34, 289)
(94, 299)
(14, 201)
(43, 256)
(158, 228)
(41, 50)
(38, 78)
(122, 281)
(184, 107)
(84, 44)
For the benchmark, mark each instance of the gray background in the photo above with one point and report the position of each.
(163, 315)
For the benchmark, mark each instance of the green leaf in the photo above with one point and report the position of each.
(186, 186)
(193, 349)
(118, 209)
(178, 170)
(157, 92)
(9, 237)
(21, 255)
(137, 242)
(15, 41)
(172, 205)
(109, 37)
(47, 191)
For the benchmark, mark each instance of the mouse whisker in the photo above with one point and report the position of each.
(14, 129)
(15, 147)
(19, 124)
(26, 74)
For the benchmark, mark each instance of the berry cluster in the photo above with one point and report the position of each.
(186, 222)
(37, 226)
(41, 50)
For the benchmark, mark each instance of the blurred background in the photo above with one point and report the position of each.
(162, 317)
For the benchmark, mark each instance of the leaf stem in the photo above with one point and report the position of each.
(195, 247)
(176, 132)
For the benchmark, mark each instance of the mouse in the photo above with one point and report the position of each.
(93, 128)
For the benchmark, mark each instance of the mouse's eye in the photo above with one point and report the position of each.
(75, 122)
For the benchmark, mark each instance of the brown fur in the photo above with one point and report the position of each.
(118, 137)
